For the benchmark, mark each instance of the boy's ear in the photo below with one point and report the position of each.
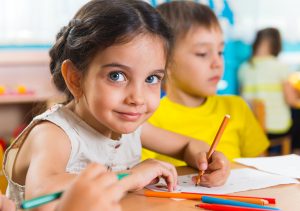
(72, 77)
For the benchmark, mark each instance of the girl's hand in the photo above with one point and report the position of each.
(6, 204)
(148, 172)
(216, 171)
(94, 189)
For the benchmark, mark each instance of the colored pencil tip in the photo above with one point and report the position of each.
(265, 202)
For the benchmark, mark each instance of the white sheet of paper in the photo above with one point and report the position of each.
(286, 165)
(239, 180)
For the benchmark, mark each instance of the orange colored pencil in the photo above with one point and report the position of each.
(214, 144)
(198, 197)
(150, 193)
(171, 195)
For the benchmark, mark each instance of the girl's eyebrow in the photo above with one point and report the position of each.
(116, 65)
(128, 68)
(162, 71)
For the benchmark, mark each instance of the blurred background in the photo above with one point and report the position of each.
(31, 25)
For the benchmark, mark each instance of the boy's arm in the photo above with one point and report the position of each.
(172, 144)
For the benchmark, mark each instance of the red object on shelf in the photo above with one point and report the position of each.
(18, 130)
(3, 144)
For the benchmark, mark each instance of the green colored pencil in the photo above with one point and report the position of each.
(38, 201)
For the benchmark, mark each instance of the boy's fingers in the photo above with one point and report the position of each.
(215, 178)
(219, 161)
(202, 161)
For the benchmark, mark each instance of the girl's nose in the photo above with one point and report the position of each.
(135, 97)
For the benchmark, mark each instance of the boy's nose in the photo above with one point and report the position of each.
(217, 62)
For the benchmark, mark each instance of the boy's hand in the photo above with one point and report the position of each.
(216, 171)
(148, 172)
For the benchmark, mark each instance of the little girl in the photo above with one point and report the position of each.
(109, 60)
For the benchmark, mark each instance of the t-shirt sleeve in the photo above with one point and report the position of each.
(241, 73)
(253, 139)
(285, 72)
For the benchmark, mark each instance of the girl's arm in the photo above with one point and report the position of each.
(50, 151)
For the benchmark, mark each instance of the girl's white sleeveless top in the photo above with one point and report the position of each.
(87, 145)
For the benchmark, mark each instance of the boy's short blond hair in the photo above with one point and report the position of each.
(181, 16)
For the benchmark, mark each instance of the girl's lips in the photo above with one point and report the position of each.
(131, 117)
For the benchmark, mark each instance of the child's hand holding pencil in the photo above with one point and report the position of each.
(213, 161)
(216, 172)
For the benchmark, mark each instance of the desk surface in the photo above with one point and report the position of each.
(287, 197)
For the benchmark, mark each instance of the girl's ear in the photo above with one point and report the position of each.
(72, 77)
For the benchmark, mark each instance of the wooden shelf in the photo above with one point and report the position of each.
(31, 70)
(14, 99)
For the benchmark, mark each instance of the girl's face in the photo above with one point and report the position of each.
(197, 63)
(121, 88)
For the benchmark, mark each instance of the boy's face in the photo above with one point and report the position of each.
(122, 86)
(197, 64)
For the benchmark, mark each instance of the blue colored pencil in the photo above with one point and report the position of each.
(213, 200)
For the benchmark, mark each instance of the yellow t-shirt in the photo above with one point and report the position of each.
(243, 137)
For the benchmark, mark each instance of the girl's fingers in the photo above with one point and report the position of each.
(154, 181)
(168, 176)
(172, 169)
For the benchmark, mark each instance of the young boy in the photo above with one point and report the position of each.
(191, 106)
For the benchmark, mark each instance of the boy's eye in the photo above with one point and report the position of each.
(117, 76)
(153, 79)
(201, 54)
(221, 53)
